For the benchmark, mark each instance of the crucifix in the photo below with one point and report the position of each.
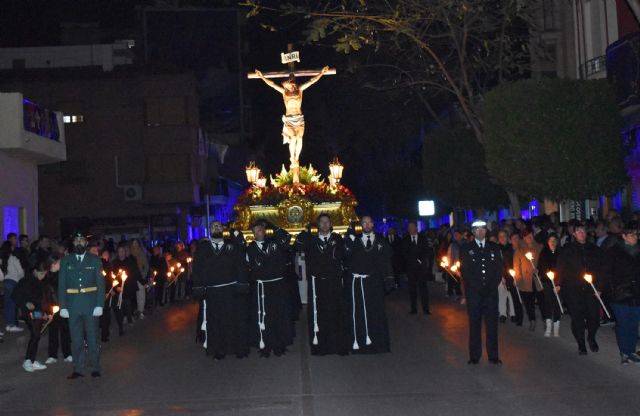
(292, 120)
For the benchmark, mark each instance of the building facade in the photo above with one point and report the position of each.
(30, 135)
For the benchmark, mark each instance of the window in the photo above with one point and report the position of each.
(166, 111)
(72, 119)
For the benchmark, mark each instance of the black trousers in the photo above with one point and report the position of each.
(35, 326)
(453, 285)
(159, 289)
(418, 282)
(483, 307)
(530, 299)
(517, 305)
(585, 312)
(59, 337)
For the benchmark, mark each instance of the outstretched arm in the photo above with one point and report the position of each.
(270, 83)
(314, 79)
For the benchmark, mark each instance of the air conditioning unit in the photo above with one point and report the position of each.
(132, 192)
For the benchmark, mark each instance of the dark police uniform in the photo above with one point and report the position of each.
(80, 291)
(482, 273)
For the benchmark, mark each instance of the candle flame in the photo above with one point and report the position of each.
(104, 273)
(55, 309)
(182, 270)
(114, 283)
(529, 255)
(445, 261)
(512, 272)
(155, 272)
(551, 275)
(178, 265)
(588, 278)
(172, 268)
(168, 274)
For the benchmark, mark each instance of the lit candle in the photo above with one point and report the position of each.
(589, 279)
(551, 275)
(512, 272)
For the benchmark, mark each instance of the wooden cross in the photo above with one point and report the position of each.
(297, 74)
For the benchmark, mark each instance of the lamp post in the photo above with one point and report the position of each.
(261, 182)
(253, 173)
(336, 168)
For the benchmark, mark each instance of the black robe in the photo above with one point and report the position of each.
(375, 264)
(327, 315)
(270, 323)
(222, 277)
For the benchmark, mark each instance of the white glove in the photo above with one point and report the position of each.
(97, 311)
(64, 313)
(353, 237)
(236, 233)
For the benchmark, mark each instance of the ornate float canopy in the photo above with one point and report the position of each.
(293, 206)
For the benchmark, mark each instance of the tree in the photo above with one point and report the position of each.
(454, 170)
(554, 138)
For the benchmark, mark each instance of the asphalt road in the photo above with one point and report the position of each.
(157, 369)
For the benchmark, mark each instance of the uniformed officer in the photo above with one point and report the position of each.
(81, 296)
(482, 273)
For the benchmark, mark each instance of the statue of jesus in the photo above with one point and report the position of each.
(293, 120)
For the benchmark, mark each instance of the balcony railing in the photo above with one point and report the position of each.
(40, 121)
(593, 66)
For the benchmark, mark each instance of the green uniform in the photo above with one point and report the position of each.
(80, 290)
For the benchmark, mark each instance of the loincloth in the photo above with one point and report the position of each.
(290, 126)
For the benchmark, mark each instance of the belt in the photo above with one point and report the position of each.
(262, 312)
(360, 278)
(82, 290)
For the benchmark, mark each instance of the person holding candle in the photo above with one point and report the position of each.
(547, 263)
(59, 336)
(36, 300)
(623, 273)
(576, 260)
(507, 301)
(525, 262)
(125, 264)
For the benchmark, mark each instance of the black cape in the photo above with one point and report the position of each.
(366, 295)
(220, 277)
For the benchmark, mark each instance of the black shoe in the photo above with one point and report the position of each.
(496, 361)
(218, 357)
(265, 354)
(241, 356)
(95, 374)
(503, 319)
(514, 319)
(582, 350)
(74, 375)
(593, 346)
(473, 361)
(413, 312)
(280, 353)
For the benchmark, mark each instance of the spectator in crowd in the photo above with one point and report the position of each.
(13, 272)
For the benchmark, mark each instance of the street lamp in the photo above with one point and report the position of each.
(253, 172)
(261, 182)
(336, 168)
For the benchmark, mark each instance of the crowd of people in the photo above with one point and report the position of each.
(138, 279)
(249, 292)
